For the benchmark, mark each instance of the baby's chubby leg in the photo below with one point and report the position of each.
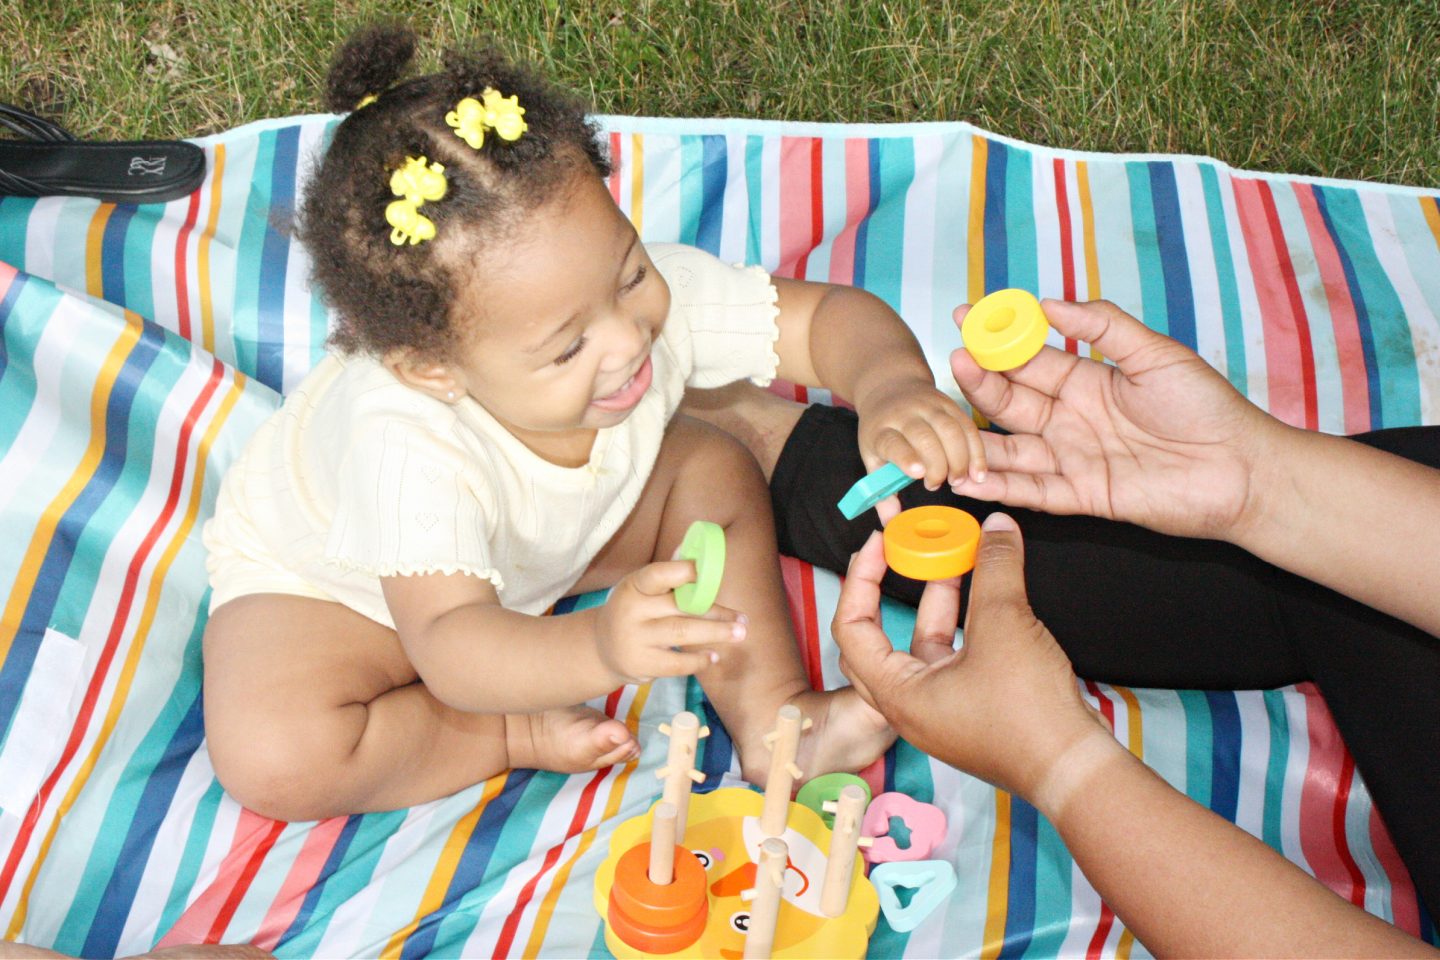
(704, 474)
(313, 711)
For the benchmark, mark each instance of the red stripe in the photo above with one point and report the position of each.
(1297, 305)
(182, 293)
(615, 167)
(1067, 253)
(112, 640)
(552, 856)
(304, 874)
(1107, 916)
(1404, 905)
(1337, 826)
(1354, 384)
(817, 208)
(242, 883)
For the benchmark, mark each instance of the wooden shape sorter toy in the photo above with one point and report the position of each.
(755, 876)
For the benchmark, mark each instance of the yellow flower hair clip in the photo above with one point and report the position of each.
(471, 118)
(414, 183)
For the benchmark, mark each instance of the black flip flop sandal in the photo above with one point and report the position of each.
(51, 162)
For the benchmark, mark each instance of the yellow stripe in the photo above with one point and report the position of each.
(637, 181)
(1432, 216)
(541, 925)
(29, 570)
(94, 243)
(975, 252)
(202, 256)
(1126, 944)
(137, 646)
(1134, 723)
(997, 900)
(434, 896)
(1087, 227)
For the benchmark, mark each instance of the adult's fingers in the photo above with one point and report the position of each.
(1013, 405)
(1110, 330)
(856, 626)
(997, 586)
(935, 621)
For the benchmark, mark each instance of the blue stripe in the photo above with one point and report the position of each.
(1224, 753)
(1020, 908)
(1362, 313)
(112, 254)
(714, 171)
(274, 261)
(872, 199)
(152, 808)
(470, 871)
(997, 248)
(1153, 304)
(714, 753)
(7, 307)
(41, 602)
(1174, 259)
(1235, 368)
(892, 170)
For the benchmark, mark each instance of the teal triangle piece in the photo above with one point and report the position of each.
(932, 881)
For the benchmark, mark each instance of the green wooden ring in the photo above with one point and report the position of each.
(704, 544)
(826, 787)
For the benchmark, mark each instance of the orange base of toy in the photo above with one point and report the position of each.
(931, 543)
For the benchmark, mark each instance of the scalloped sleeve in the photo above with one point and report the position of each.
(408, 502)
(725, 316)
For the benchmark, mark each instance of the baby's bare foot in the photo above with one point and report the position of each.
(846, 735)
(568, 740)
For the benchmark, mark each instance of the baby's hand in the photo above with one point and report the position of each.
(641, 634)
(922, 430)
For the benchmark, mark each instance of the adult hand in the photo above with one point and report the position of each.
(1160, 439)
(1005, 706)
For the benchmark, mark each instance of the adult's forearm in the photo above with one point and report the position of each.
(1189, 883)
(1361, 521)
(484, 658)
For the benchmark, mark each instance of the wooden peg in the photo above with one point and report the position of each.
(840, 867)
(784, 742)
(679, 772)
(765, 898)
(662, 845)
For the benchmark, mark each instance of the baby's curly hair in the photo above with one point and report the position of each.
(389, 296)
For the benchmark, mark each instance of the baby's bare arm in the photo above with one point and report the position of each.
(475, 655)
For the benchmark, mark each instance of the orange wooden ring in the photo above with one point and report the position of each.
(931, 543)
(651, 905)
(654, 940)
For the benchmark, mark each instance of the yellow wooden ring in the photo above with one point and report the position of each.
(931, 543)
(1005, 329)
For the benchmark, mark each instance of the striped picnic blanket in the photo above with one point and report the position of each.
(141, 346)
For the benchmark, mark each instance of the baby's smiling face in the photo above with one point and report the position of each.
(566, 311)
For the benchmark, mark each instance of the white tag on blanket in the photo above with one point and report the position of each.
(38, 731)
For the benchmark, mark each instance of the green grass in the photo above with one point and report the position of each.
(1331, 88)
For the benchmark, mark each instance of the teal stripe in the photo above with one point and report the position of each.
(1021, 242)
(885, 233)
(33, 306)
(188, 870)
(1389, 327)
(1199, 745)
(353, 875)
(755, 188)
(692, 187)
(15, 213)
(139, 260)
(122, 806)
(1275, 768)
(244, 323)
(1147, 248)
(1053, 880)
(1230, 317)
(1115, 250)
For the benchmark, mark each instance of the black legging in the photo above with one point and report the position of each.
(1138, 608)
